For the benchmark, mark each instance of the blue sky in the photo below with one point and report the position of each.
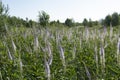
(62, 9)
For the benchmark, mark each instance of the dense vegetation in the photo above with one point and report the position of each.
(47, 50)
(60, 53)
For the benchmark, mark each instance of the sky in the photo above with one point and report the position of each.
(62, 9)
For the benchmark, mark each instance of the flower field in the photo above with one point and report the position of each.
(75, 53)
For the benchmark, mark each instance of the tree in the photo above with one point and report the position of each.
(3, 16)
(43, 18)
(58, 21)
(108, 20)
(90, 24)
(3, 9)
(95, 23)
(69, 22)
(30, 23)
(53, 23)
(102, 21)
(85, 22)
(115, 19)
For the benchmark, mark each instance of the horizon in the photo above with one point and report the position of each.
(61, 10)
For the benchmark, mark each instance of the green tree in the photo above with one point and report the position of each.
(53, 23)
(69, 22)
(31, 23)
(3, 16)
(90, 24)
(85, 22)
(58, 21)
(95, 23)
(43, 18)
(115, 19)
(108, 20)
(3, 9)
(101, 21)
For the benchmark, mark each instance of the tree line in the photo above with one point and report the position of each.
(44, 20)
(113, 20)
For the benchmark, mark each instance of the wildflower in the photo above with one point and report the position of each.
(118, 51)
(14, 46)
(47, 70)
(102, 56)
(36, 43)
(62, 55)
(87, 72)
(9, 54)
(96, 56)
(50, 55)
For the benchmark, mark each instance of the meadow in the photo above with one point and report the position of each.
(54, 53)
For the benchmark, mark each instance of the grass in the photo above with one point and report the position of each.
(60, 53)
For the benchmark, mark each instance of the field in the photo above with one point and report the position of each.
(55, 53)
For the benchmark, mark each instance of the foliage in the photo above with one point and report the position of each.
(3, 9)
(90, 23)
(69, 22)
(43, 18)
(59, 53)
(108, 20)
(3, 15)
(115, 19)
(85, 22)
(112, 19)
